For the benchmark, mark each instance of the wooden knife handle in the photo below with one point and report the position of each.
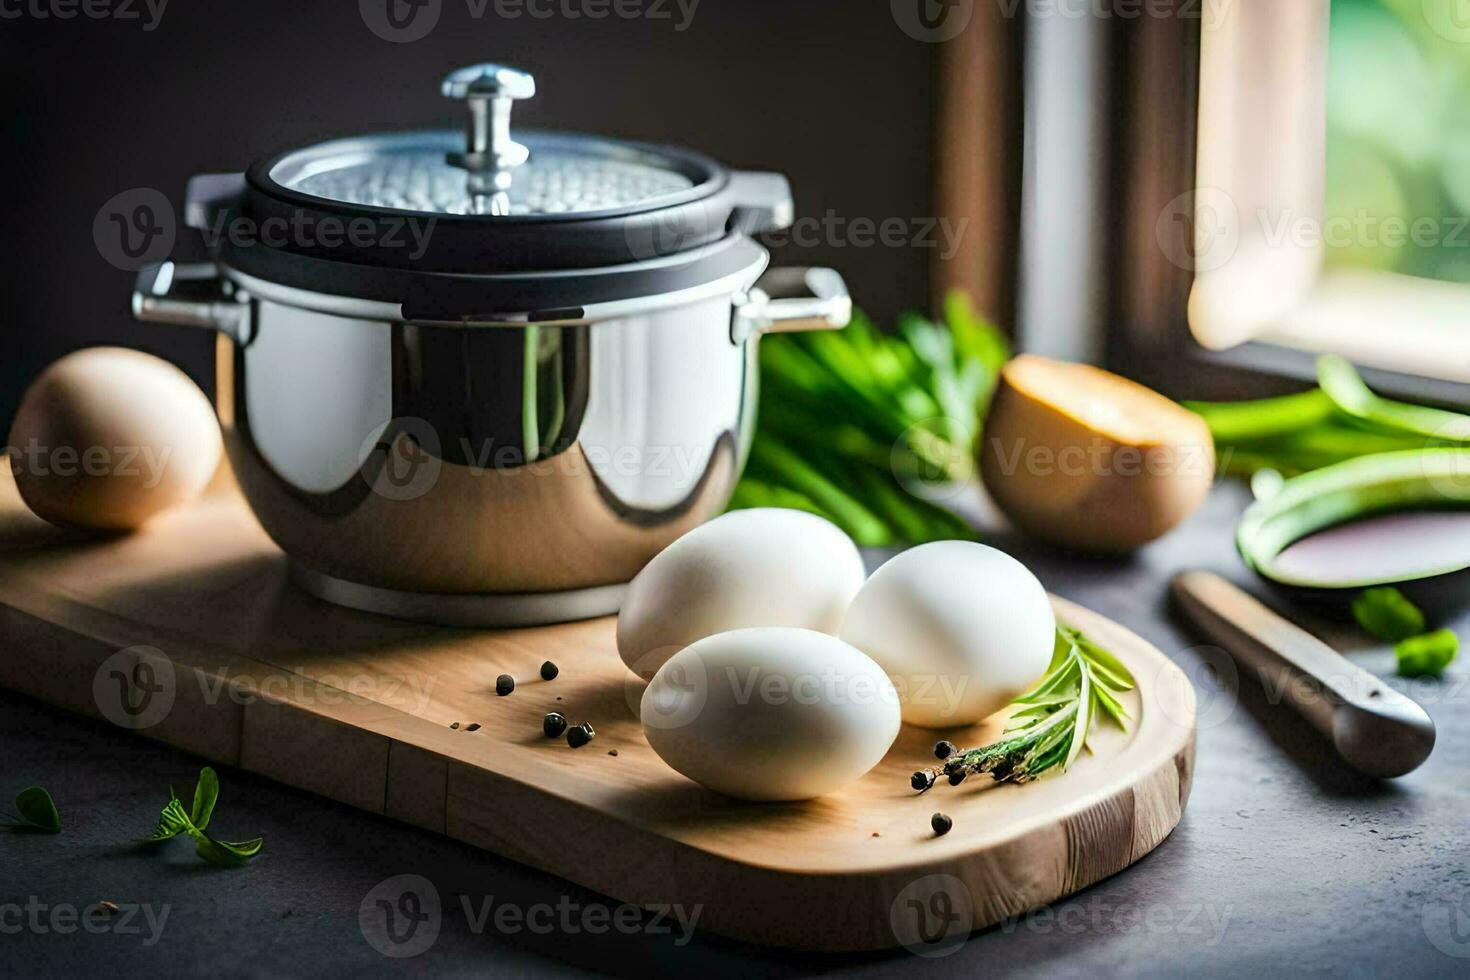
(1375, 728)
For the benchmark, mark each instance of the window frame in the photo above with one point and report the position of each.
(1155, 162)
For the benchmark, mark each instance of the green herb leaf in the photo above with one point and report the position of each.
(206, 794)
(173, 821)
(1103, 663)
(1427, 655)
(1107, 702)
(1084, 714)
(1063, 679)
(1387, 614)
(38, 811)
(225, 855)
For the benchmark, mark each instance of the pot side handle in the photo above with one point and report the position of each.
(189, 295)
(762, 202)
(792, 300)
(210, 198)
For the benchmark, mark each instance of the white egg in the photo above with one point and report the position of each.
(762, 567)
(962, 629)
(771, 714)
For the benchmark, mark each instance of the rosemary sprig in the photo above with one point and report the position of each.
(1050, 724)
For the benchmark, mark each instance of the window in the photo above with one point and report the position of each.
(1331, 201)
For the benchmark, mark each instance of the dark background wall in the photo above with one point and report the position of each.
(832, 92)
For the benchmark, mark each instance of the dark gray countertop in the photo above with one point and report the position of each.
(1284, 861)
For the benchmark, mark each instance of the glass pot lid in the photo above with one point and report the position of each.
(489, 217)
(411, 173)
(487, 171)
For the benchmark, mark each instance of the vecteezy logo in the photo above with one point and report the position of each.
(681, 696)
(933, 21)
(402, 460)
(135, 228)
(1447, 926)
(947, 471)
(1199, 230)
(673, 230)
(1207, 679)
(1450, 19)
(932, 916)
(134, 688)
(401, 917)
(1448, 474)
(401, 21)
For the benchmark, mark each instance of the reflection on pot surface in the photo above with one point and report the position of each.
(497, 460)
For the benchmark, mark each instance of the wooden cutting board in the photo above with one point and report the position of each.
(190, 632)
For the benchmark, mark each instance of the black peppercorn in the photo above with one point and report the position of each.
(549, 671)
(945, 749)
(580, 736)
(941, 824)
(504, 684)
(922, 780)
(553, 725)
(957, 776)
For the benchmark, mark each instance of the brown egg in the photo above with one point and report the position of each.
(106, 438)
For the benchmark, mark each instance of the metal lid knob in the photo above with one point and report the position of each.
(490, 152)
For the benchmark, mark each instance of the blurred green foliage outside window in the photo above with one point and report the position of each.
(1398, 141)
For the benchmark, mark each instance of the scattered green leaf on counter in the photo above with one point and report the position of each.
(172, 822)
(1427, 655)
(206, 794)
(175, 820)
(37, 811)
(1387, 614)
(225, 855)
(1049, 726)
(853, 422)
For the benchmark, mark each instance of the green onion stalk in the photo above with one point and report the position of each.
(853, 422)
(1339, 420)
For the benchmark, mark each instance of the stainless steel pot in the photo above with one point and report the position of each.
(504, 428)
